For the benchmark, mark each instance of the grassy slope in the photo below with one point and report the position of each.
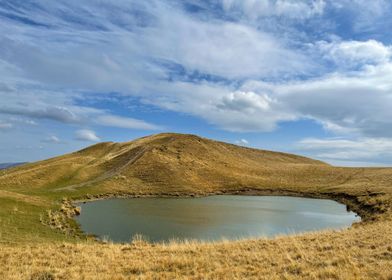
(182, 165)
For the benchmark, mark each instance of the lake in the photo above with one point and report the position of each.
(211, 218)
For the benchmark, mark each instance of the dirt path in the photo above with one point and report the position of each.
(108, 174)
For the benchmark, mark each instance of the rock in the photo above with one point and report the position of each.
(77, 211)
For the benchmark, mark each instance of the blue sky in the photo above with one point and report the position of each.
(312, 77)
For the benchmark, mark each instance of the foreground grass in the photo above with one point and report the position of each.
(358, 253)
(180, 165)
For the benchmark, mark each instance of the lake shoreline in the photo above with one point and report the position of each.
(367, 213)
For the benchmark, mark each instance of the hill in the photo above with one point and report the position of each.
(158, 163)
(171, 163)
(36, 213)
(10, 164)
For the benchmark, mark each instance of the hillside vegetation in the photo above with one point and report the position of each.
(36, 228)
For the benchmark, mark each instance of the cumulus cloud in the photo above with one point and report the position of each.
(354, 102)
(358, 102)
(237, 111)
(245, 101)
(86, 135)
(245, 111)
(356, 53)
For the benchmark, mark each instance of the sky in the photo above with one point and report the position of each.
(311, 77)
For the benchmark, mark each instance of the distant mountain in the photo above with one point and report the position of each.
(10, 164)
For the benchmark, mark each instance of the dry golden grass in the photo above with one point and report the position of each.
(172, 164)
(358, 253)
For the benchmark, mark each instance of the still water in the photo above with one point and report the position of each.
(211, 218)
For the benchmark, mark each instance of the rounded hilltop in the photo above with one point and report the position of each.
(36, 202)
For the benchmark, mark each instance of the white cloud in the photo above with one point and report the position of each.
(224, 49)
(354, 102)
(246, 101)
(247, 111)
(23, 121)
(237, 73)
(116, 121)
(59, 107)
(288, 8)
(342, 102)
(5, 125)
(132, 61)
(239, 111)
(242, 142)
(29, 101)
(106, 60)
(56, 113)
(359, 102)
(349, 150)
(52, 139)
(356, 53)
(86, 135)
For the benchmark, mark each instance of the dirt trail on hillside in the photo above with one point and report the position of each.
(108, 174)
